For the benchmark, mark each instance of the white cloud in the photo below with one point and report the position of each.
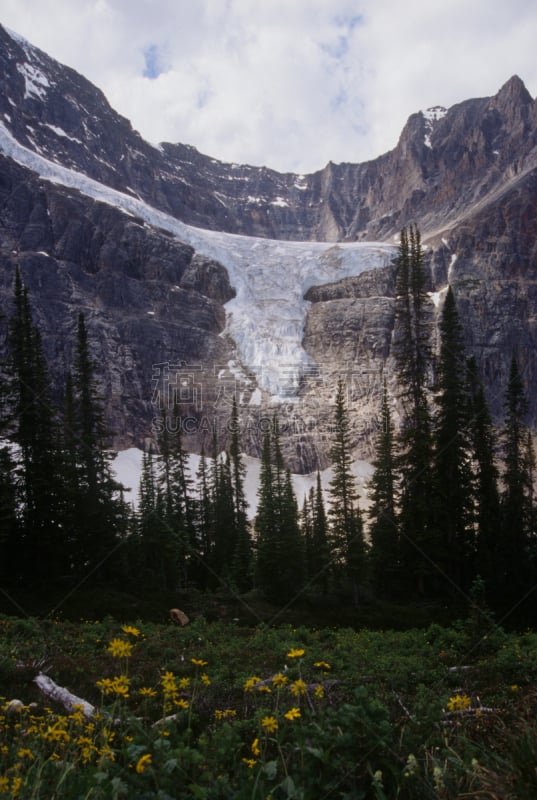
(290, 85)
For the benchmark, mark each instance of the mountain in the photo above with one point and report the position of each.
(202, 280)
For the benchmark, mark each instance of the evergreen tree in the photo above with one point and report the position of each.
(485, 484)
(100, 512)
(241, 572)
(383, 528)
(515, 499)
(320, 560)
(412, 358)
(280, 564)
(40, 550)
(347, 539)
(452, 501)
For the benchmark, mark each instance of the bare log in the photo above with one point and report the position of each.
(63, 696)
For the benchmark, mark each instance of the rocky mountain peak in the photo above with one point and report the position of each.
(109, 240)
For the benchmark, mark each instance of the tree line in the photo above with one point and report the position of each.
(450, 498)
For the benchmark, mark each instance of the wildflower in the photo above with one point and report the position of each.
(377, 779)
(256, 750)
(249, 762)
(319, 692)
(181, 704)
(514, 687)
(4, 783)
(295, 653)
(16, 784)
(269, 724)
(298, 687)
(198, 662)
(322, 665)
(411, 767)
(293, 713)
(459, 702)
(143, 762)
(120, 648)
(438, 778)
(118, 685)
(251, 683)
(146, 691)
(184, 683)
(205, 679)
(225, 713)
(25, 753)
(264, 688)
(131, 630)
(280, 680)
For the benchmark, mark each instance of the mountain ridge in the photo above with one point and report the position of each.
(467, 177)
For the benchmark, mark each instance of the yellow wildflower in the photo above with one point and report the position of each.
(225, 713)
(184, 683)
(264, 688)
(256, 750)
(205, 679)
(120, 648)
(322, 665)
(249, 762)
(293, 713)
(25, 753)
(280, 680)
(319, 692)
(459, 702)
(16, 784)
(181, 703)
(269, 724)
(131, 630)
(298, 687)
(251, 683)
(4, 783)
(146, 691)
(198, 662)
(295, 653)
(143, 762)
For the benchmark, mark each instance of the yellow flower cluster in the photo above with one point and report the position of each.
(170, 689)
(120, 648)
(225, 713)
(459, 702)
(119, 685)
(295, 653)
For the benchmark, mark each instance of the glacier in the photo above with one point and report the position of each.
(270, 277)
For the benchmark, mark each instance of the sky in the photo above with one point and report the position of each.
(286, 84)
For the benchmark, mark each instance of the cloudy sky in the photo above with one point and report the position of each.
(289, 84)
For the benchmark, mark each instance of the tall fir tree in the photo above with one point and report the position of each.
(320, 559)
(412, 360)
(280, 558)
(41, 548)
(241, 572)
(515, 545)
(452, 500)
(383, 523)
(485, 489)
(346, 527)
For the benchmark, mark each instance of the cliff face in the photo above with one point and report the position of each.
(467, 176)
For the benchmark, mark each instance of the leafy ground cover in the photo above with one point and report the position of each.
(221, 710)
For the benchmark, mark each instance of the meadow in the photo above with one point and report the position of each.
(219, 709)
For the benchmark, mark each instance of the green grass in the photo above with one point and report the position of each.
(360, 713)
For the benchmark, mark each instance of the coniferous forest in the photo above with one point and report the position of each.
(451, 512)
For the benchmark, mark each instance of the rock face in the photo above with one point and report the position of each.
(467, 176)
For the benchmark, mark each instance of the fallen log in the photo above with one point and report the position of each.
(63, 696)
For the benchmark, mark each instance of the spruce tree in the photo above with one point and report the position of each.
(320, 559)
(280, 562)
(346, 528)
(241, 571)
(484, 485)
(515, 505)
(452, 501)
(383, 526)
(40, 548)
(412, 359)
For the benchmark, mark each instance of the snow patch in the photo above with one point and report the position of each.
(127, 468)
(431, 116)
(36, 82)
